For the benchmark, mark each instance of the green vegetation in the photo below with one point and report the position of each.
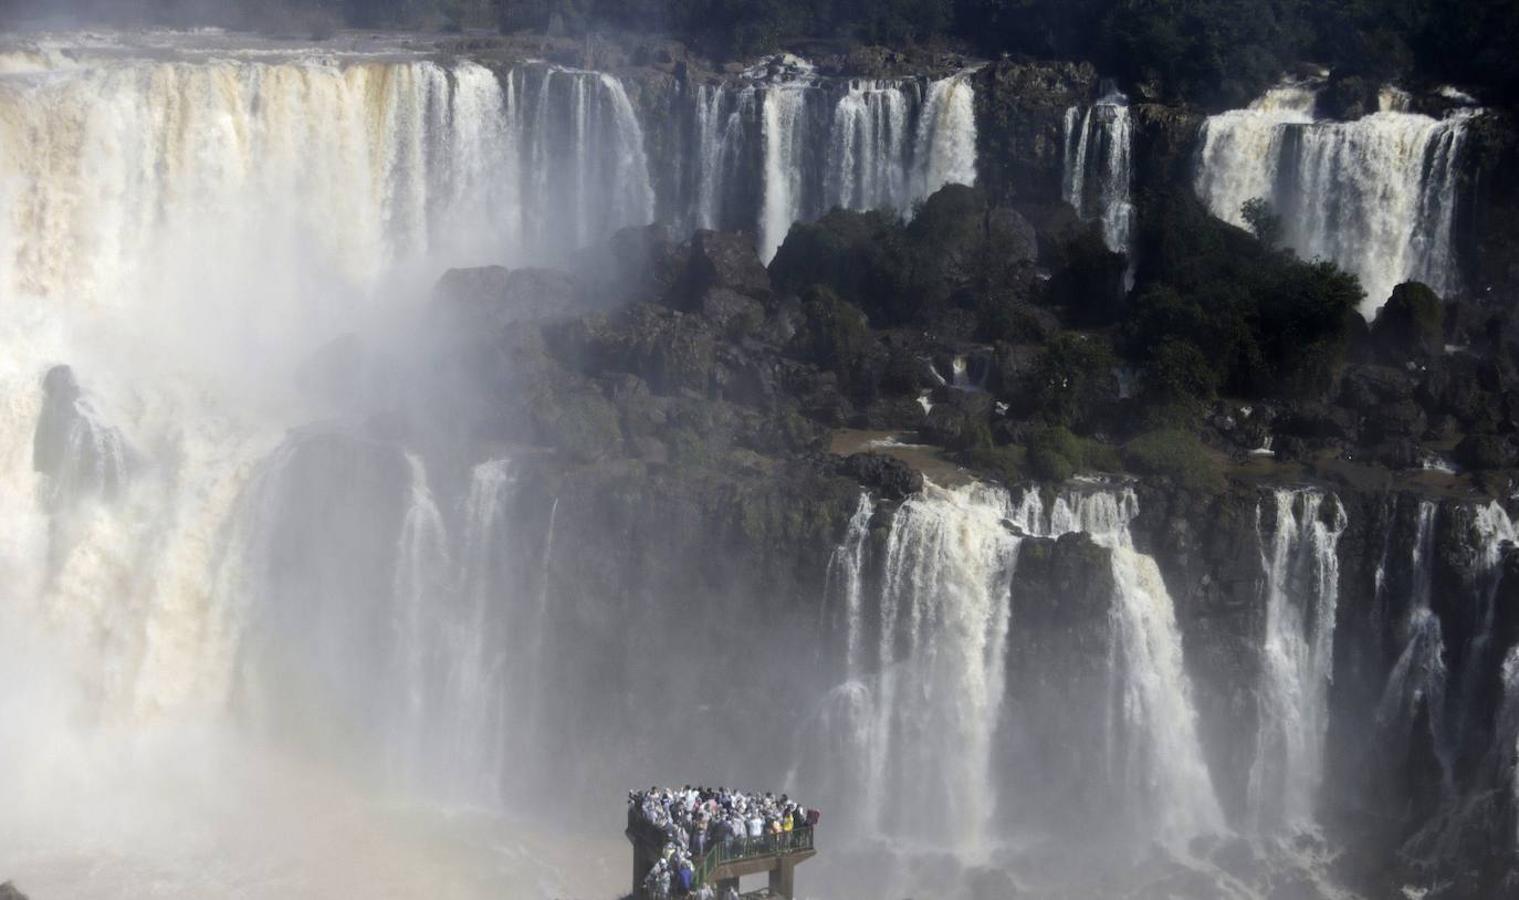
(1055, 454)
(1175, 454)
(1070, 378)
(1218, 310)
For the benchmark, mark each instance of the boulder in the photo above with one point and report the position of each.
(487, 299)
(734, 315)
(720, 259)
(1410, 325)
(887, 477)
(60, 393)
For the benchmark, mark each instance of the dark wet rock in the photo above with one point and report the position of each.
(1461, 386)
(1165, 142)
(1486, 451)
(959, 420)
(60, 393)
(671, 351)
(1349, 97)
(734, 315)
(884, 476)
(1058, 675)
(1318, 421)
(1367, 388)
(79, 453)
(491, 297)
(891, 414)
(718, 259)
(640, 264)
(1410, 325)
(1020, 117)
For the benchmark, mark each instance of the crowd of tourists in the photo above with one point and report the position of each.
(693, 820)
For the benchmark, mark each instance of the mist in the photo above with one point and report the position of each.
(414, 442)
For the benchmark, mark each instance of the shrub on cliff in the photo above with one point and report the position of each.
(1055, 454)
(1272, 324)
(1175, 454)
(859, 255)
(834, 334)
(1074, 375)
(1179, 383)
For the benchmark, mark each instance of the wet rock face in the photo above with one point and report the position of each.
(493, 297)
(1020, 126)
(78, 453)
(722, 260)
(60, 392)
(884, 476)
(1058, 675)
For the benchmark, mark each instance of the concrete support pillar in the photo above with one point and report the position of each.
(783, 879)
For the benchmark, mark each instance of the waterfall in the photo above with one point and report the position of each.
(183, 230)
(1154, 754)
(765, 154)
(1098, 168)
(364, 165)
(1492, 534)
(917, 717)
(422, 575)
(1418, 678)
(1376, 195)
(785, 135)
(868, 146)
(945, 150)
(846, 578)
(915, 721)
(1302, 589)
(1506, 733)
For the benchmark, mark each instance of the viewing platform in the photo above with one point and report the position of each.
(725, 863)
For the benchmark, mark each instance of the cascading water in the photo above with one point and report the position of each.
(1302, 590)
(1418, 678)
(923, 705)
(1493, 532)
(1376, 195)
(1098, 167)
(1154, 755)
(936, 701)
(765, 154)
(182, 230)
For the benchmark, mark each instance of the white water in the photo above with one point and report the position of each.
(1098, 168)
(1154, 755)
(869, 146)
(1506, 731)
(945, 150)
(1302, 591)
(922, 706)
(767, 154)
(184, 232)
(785, 130)
(1418, 677)
(1376, 195)
(945, 602)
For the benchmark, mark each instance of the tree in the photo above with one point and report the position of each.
(1263, 221)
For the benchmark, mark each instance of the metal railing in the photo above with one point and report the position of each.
(738, 849)
(732, 850)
